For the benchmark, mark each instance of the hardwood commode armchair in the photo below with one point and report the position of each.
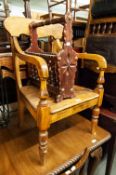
(52, 100)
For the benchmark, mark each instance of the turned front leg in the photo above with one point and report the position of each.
(95, 117)
(43, 145)
(96, 111)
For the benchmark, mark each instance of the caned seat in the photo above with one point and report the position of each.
(39, 100)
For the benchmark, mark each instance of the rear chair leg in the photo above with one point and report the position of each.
(43, 142)
(21, 112)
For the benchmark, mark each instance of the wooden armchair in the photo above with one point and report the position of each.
(44, 108)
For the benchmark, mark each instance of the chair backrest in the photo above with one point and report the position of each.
(17, 26)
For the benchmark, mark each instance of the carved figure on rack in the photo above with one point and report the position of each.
(62, 66)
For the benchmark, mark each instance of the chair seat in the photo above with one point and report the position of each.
(82, 94)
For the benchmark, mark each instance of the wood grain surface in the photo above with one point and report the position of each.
(67, 139)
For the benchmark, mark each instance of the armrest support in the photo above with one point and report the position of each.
(102, 65)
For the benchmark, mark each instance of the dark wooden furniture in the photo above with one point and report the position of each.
(99, 32)
(100, 38)
(68, 140)
(108, 121)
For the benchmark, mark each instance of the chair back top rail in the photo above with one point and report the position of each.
(20, 25)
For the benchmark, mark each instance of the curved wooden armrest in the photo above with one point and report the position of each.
(79, 164)
(102, 64)
(36, 60)
(41, 66)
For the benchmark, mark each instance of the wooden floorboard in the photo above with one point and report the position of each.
(6, 166)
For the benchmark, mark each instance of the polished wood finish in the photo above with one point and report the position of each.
(42, 110)
(68, 140)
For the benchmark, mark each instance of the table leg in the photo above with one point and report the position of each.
(111, 154)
